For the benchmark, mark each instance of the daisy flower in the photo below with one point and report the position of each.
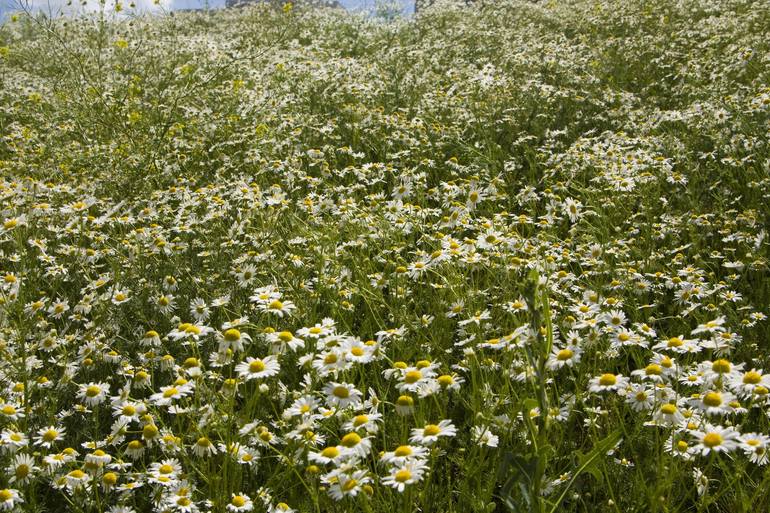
(357, 351)
(608, 382)
(150, 339)
(283, 340)
(203, 447)
(170, 468)
(120, 296)
(58, 308)
(240, 502)
(431, 432)
(332, 454)
(258, 368)
(48, 435)
(345, 484)
(341, 395)
(408, 473)
(187, 330)
(21, 469)
(278, 307)
(232, 338)
(746, 383)
(569, 356)
(640, 397)
(318, 331)
(484, 436)
(9, 499)
(93, 393)
(755, 446)
(717, 439)
(356, 444)
(171, 393)
(404, 453)
(677, 446)
(714, 402)
(678, 345)
(365, 421)
(413, 378)
(714, 326)
(404, 405)
(305, 405)
(76, 479)
(165, 303)
(200, 310)
(11, 441)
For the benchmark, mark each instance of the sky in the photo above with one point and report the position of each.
(59, 6)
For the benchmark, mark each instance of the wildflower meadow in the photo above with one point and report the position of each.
(502, 256)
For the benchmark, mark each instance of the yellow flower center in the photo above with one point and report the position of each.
(192, 329)
(238, 501)
(712, 399)
(431, 430)
(232, 335)
(403, 475)
(653, 369)
(257, 366)
(721, 366)
(752, 378)
(608, 380)
(341, 392)
(330, 452)
(22, 471)
(712, 439)
(412, 376)
(668, 409)
(350, 440)
(564, 355)
(404, 400)
(403, 451)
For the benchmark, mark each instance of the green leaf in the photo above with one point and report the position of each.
(518, 472)
(590, 462)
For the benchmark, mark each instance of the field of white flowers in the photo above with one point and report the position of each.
(508, 257)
